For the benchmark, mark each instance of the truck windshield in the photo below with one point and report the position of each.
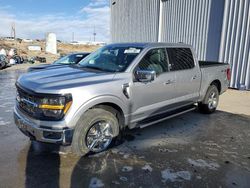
(69, 59)
(111, 58)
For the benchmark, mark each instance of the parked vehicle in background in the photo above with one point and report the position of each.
(10, 58)
(120, 85)
(3, 61)
(66, 60)
(3, 52)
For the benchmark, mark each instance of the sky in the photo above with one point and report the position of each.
(34, 18)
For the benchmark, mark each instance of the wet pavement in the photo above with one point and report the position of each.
(192, 150)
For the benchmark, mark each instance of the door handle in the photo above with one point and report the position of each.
(169, 82)
(194, 77)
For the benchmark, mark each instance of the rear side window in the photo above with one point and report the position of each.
(180, 59)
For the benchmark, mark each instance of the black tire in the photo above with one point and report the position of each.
(87, 120)
(18, 59)
(205, 106)
(2, 64)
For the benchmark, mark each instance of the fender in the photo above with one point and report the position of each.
(204, 90)
(98, 100)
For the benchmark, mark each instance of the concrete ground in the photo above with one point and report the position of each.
(192, 150)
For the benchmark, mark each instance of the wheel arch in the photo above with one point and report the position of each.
(115, 109)
(217, 83)
(110, 103)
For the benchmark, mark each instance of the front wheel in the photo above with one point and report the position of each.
(211, 100)
(95, 131)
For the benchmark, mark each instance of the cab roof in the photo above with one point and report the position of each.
(152, 44)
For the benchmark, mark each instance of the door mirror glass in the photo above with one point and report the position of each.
(145, 75)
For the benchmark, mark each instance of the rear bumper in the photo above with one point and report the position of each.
(62, 136)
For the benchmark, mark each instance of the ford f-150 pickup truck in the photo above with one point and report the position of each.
(120, 85)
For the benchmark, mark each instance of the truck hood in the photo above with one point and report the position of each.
(55, 80)
(45, 66)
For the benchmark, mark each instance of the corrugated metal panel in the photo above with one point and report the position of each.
(134, 20)
(235, 41)
(217, 29)
(187, 21)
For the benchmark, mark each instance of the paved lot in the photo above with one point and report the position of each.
(193, 150)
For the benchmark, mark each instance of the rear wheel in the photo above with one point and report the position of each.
(95, 131)
(211, 100)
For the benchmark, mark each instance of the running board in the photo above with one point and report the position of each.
(143, 125)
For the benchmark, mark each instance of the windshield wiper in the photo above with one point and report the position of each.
(96, 68)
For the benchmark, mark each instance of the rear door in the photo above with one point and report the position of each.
(188, 75)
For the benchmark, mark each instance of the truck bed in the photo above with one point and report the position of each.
(211, 71)
(204, 64)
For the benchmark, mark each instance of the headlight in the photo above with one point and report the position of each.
(55, 107)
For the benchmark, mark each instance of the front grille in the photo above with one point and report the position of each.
(27, 102)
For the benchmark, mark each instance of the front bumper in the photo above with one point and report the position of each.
(62, 136)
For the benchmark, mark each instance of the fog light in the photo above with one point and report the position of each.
(52, 135)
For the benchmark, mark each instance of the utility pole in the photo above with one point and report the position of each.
(160, 22)
(94, 34)
(13, 31)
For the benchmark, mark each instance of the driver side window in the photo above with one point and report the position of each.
(154, 60)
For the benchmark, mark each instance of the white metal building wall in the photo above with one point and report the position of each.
(134, 20)
(235, 41)
(218, 29)
(186, 21)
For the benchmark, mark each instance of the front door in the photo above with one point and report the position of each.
(152, 98)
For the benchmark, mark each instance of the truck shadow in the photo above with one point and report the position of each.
(170, 137)
(44, 165)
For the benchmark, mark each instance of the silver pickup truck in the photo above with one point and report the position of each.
(118, 86)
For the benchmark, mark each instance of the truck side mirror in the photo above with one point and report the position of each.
(145, 75)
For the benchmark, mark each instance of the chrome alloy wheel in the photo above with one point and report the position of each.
(99, 136)
(212, 100)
